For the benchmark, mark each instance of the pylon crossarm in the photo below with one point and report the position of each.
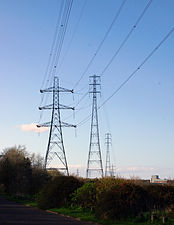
(65, 90)
(50, 89)
(46, 107)
(63, 124)
(94, 92)
(65, 107)
(94, 76)
(56, 107)
(48, 124)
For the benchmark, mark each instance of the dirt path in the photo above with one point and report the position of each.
(18, 214)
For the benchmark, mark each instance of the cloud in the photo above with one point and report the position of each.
(32, 127)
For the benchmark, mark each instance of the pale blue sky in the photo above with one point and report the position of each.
(140, 117)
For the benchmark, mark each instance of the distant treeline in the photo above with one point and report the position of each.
(112, 198)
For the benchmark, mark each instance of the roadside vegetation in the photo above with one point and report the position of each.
(107, 201)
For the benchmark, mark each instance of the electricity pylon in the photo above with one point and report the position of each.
(112, 171)
(55, 146)
(94, 164)
(108, 143)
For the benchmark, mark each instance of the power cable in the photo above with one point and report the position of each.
(131, 75)
(123, 42)
(127, 37)
(77, 111)
(51, 50)
(62, 35)
(117, 52)
(139, 67)
(59, 36)
(74, 32)
(101, 43)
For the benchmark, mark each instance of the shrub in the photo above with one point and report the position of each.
(122, 200)
(39, 179)
(105, 184)
(57, 192)
(161, 196)
(85, 196)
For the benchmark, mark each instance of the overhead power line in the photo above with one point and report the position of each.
(61, 36)
(52, 49)
(101, 43)
(53, 44)
(127, 37)
(63, 18)
(74, 33)
(121, 45)
(131, 75)
(139, 67)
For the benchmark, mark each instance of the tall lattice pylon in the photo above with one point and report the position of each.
(94, 164)
(108, 142)
(55, 148)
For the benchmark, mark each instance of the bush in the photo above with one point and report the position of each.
(85, 196)
(57, 192)
(122, 201)
(105, 184)
(39, 179)
(161, 196)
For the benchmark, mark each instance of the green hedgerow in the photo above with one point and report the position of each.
(57, 192)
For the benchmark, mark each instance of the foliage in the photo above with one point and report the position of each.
(119, 198)
(161, 196)
(85, 196)
(15, 170)
(54, 172)
(87, 215)
(122, 201)
(37, 160)
(57, 192)
(105, 184)
(39, 179)
(22, 174)
(19, 175)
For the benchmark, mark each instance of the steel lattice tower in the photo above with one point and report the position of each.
(108, 142)
(112, 171)
(94, 164)
(55, 148)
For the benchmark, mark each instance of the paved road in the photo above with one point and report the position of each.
(18, 214)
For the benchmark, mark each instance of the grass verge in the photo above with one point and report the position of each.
(89, 216)
(26, 200)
